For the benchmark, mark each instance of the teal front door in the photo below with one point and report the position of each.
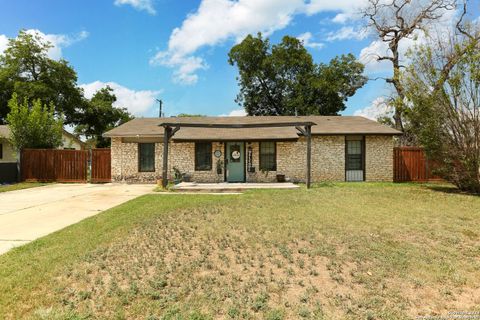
(235, 160)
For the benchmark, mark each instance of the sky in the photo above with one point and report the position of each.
(177, 50)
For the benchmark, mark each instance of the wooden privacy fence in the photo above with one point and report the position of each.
(411, 164)
(64, 165)
(101, 166)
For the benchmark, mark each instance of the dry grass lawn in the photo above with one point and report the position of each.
(338, 251)
(20, 186)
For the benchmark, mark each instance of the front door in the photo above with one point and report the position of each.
(235, 160)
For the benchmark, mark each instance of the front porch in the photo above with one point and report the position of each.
(230, 187)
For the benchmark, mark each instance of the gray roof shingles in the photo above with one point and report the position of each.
(324, 125)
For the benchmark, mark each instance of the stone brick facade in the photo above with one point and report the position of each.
(328, 160)
(379, 158)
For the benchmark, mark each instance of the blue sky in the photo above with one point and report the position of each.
(177, 50)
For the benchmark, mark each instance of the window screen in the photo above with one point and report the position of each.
(203, 156)
(354, 155)
(268, 157)
(146, 157)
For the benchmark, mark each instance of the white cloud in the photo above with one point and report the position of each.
(235, 113)
(58, 41)
(218, 21)
(140, 5)
(378, 108)
(136, 102)
(306, 38)
(346, 33)
(347, 7)
(3, 43)
(186, 66)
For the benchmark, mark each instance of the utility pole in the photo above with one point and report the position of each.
(160, 102)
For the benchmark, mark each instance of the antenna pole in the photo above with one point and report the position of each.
(160, 102)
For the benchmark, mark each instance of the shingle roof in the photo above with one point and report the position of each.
(5, 133)
(324, 125)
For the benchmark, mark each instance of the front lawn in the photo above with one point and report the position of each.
(337, 251)
(20, 186)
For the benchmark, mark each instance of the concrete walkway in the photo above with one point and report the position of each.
(230, 187)
(28, 214)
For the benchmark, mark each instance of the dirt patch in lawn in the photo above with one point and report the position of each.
(167, 262)
(342, 251)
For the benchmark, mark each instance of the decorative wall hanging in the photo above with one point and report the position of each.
(235, 154)
(250, 167)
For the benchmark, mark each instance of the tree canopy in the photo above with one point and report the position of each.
(443, 90)
(283, 79)
(26, 70)
(394, 22)
(99, 116)
(33, 125)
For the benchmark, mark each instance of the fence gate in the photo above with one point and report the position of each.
(54, 165)
(65, 165)
(101, 166)
(411, 164)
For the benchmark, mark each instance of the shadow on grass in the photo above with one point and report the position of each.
(450, 189)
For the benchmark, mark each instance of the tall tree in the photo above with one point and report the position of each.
(33, 125)
(396, 20)
(100, 115)
(283, 79)
(26, 70)
(443, 88)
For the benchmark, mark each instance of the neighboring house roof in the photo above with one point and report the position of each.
(324, 125)
(5, 133)
(73, 137)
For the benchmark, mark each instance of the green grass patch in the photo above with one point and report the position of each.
(336, 251)
(20, 186)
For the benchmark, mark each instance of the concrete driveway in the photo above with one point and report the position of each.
(26, 215)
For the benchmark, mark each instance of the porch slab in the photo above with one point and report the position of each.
(230, 187)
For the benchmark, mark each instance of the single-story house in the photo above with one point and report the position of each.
(253, 149)
(8, 156)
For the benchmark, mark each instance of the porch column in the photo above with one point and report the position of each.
(166, 137)
(308, 131)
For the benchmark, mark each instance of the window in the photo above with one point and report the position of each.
(268, 156)
(354, 155)
(1, 151)
(146, 157)
(203, 156)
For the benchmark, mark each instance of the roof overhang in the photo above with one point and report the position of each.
(236, 125)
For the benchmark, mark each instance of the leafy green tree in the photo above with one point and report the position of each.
(283, 79)
(184, 115)
(443, 88)
(26, 70)
(99, 116)
(33, 125)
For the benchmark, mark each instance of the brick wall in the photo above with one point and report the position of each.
(379, 158)
(328, 160)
